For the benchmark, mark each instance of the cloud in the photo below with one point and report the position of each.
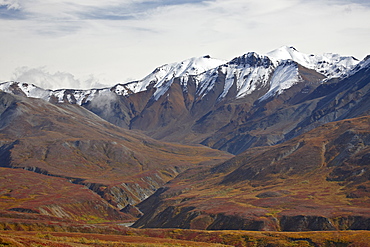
(104, 100)
(10, 9)
(346, 2)
(118, 39)
(85, 9)
(44, 79)
(65, 17)
(10, 4)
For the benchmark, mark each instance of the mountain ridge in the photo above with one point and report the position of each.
(192, 101)
(331, 65)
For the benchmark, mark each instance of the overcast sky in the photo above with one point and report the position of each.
(96, 43)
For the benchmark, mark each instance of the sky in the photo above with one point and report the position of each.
(93, 43)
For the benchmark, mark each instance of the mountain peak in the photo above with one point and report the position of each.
(163, 76)
(248, 73)
(329, 64)
(252, 59)
(364, 64)
(287, 52)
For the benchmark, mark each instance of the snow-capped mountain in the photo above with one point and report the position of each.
(230, 105)
(162, 77)
(274, 70)
(249, 72)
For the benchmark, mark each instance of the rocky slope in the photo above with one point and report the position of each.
(67, 142)
(317, 181)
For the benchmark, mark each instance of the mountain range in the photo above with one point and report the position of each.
(209, 101)
(162, 148)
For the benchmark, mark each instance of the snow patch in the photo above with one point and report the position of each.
(29, 90)
(284, 77)
(163, 76)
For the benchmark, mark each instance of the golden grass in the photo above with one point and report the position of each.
(179, 237)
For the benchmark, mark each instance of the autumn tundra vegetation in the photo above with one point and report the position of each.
(254, 152)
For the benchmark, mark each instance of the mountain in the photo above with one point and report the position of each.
(250, 64)
(296, 111)
(205, 100)
(297, 123)
(316, 181)
(87, 169)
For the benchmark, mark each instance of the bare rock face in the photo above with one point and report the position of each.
(306, 223)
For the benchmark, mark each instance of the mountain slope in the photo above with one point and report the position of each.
(67, 141)
(316, 181)
(27, 194)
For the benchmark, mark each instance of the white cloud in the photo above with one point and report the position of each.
(42, 78)
(115, 40)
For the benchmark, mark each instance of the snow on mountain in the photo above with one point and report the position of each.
(253, 71)
(329, 64)
(284, 77)
(60, 95)
(163, 76)
(28, 90)
(249, 71)
(77, 96)
(205, 82)
(364, 64)
(276, 71)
